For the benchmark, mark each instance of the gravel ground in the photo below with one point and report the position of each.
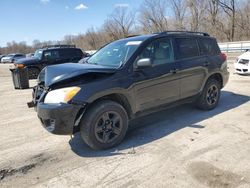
(180, 147)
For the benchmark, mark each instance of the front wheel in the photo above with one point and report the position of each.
(210, 95)
(104, 125)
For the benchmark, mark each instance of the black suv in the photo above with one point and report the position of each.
(50, 55)
(126, 79)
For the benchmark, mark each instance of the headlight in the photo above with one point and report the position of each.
(63, 95)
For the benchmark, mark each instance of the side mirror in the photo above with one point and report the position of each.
(146, 62)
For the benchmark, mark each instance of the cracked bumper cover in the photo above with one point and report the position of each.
(58, 118)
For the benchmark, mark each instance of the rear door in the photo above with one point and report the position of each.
(159, 84)
(193, 66)
(210, 49)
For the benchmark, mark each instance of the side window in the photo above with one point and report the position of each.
(65, 53)
(19, 55)
(70, 53)
(159, 51)
(187, 48)
(208, 47)
(51, 55)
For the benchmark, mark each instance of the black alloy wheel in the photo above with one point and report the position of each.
(104, 125)
(212, 94)
(108, 127)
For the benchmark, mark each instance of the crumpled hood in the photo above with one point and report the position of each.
(27, 60)
(58, 73)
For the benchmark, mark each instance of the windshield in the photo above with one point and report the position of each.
(38, 54)
(114, 54)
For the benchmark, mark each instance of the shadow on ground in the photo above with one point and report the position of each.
(155, 126)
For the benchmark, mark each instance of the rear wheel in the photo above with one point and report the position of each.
(33, 73)
(210, 95)
(104, 125)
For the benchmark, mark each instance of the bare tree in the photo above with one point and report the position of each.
(153, 16)
(229, 7)
(243, 21)
(119, 24)
(213, 11)
(68, 39)
(179, 9)
(227, 20)
(197, 13)
(93, 39)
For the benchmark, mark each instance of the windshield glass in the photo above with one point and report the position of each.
(114, 54)
(38, 54)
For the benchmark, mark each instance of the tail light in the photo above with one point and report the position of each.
(223, 56)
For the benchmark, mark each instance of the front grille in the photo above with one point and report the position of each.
(244, 61)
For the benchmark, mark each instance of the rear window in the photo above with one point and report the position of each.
(187, 48)
(208, 47)
(71, 53)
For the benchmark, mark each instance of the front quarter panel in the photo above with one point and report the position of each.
(115, 84)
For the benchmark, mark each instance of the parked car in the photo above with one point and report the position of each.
(11, 58)
(126, 79)
(242, 64)
(50, 55)
(1, 56)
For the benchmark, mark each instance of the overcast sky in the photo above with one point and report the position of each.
(27, 20)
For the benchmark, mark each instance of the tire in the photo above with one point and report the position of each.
(33, 73)
(104, 125)
(210, 95)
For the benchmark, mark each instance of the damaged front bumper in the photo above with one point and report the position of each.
(60, 118)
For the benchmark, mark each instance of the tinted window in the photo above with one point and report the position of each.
(65, 54)
(187, 48)
(51, 55)
(159, 51)
(19, 55)
(70, 53)
(208, 47)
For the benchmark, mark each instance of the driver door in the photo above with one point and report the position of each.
(158, 84)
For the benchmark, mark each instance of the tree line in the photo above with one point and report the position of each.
(227, 20)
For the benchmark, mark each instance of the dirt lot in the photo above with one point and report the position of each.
(181, 147)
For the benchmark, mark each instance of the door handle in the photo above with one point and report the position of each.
(174, 71)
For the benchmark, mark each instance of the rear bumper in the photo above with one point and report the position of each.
(225, 78)
(58, 118)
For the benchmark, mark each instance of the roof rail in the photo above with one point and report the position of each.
(185, 32)
(59, 46)
(129, 36)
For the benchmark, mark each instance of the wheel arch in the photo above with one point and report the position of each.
(120, 99)
(115, 97)
(216, 76)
